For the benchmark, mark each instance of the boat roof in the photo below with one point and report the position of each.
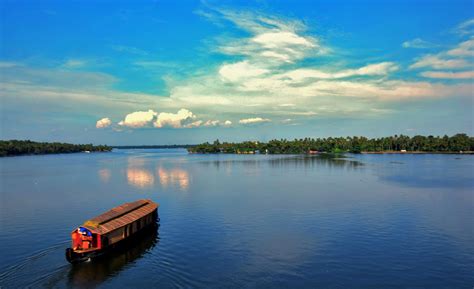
(120, 216)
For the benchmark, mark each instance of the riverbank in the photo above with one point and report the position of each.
(27, 147)
(420, 153)
(356, 144)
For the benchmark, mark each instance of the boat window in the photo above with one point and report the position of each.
(84, 231)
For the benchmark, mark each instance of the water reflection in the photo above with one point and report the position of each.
(285, 161)
(92, 274)
(141, 178)
(312, 161)
(436, 171)
(104, 175)
(174, 177)
(139, 174)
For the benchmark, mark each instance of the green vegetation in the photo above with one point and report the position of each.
(397, 143)
(27, 147)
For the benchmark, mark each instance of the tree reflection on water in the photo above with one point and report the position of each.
(325, 160)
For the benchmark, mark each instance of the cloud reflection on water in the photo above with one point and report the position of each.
(138, 175)
(140, 178)
(104, 175)
(173, 177)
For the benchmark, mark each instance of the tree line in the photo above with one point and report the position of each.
(356, 144)
(27, 147)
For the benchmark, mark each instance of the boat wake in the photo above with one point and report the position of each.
(14, 274)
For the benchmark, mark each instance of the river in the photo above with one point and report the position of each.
(244, 221)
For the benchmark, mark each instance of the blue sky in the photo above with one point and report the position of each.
(165, 72)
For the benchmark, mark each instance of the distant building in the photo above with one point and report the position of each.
(403, 151)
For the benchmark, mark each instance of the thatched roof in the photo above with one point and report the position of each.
(120, 216)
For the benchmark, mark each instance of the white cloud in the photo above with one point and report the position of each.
(382, 68)
(196, 123)
(466, 27)
(182, 119)
(418, 43)
(240, 70)
(459, 56)
(253, 120)
(208, 123)
(299, 75)
(449, 75)
(138, 119)
(276, 55)
(175, 120)
(103, 123)
(267, 80)
(465, 48)
(437, 62)
(212, 123)
(278, 39)
(272, 41)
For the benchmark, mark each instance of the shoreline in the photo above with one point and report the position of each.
(419, 153)
(342, 153)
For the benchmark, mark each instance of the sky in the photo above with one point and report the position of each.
(184, 72)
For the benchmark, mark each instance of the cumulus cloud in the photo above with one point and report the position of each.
(448, 75)
(138, 119)
(253, 120)
(103, 122)
(175, 120)
(184, 118)
(418, 43)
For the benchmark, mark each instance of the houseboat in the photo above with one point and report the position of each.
(110, 229)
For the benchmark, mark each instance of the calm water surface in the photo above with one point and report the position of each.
(235, 221)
